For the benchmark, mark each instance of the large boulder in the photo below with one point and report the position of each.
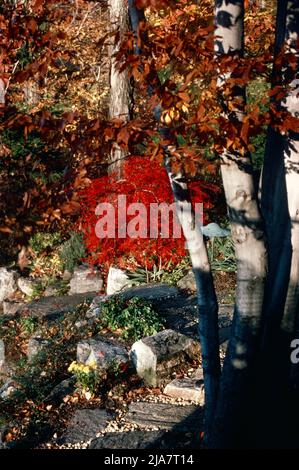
(102, 351)
(155, 357)
(8, 283)
(84, 280)
(117, 280)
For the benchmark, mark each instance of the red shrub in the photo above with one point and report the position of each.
(144, 181)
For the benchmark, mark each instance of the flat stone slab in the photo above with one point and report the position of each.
(181, 314)
(128, 440)
(154, 357)
(154, 293)
(101, 351)
(187, 388)
(53, 307)
(84, 425)
(151, 292)
(142, 439)
(164, 415)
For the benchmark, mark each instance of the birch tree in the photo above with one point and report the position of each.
(120, 105)
(257, 376)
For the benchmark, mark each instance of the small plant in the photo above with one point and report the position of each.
(72, 251)
(37, 290)
(170, 274)
(222, 255)
(28, 324)
(88, 377)
(134, 317)
(42, 241)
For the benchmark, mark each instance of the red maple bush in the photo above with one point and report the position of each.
(144, 181)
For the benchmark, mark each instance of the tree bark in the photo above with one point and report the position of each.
(120, 88)
(207, 300)
(248, 236)
(280, 205)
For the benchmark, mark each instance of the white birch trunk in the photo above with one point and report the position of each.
(291, 164)
(248, 237)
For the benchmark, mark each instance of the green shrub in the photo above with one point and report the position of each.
(29, 324)
(42, 241)
(72, 251)
(135, 317)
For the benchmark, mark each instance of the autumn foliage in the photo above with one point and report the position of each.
(144, 181)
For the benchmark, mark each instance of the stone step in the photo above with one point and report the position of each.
(164, 415)
(84, 425)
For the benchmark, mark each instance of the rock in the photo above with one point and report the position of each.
(164, 415)
(129, 440)
(53, 307)
(153, 293)
(187, 388)
(2, 354)
(64, 388)
(53, 289)
(117, 280)
(67, 275)
(85, 280)
(154, 357)
(26, 285)
(3, 431)
(8, 389)
(11, 308)
(85, 424)
(187, 282)
(213, 230)
(8, 283)
(36, 344)
(94, 310)
(101, 351)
